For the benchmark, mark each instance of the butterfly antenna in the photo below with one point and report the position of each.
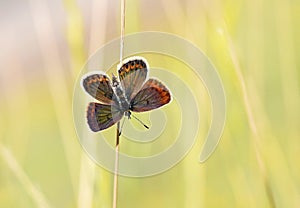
(141, 122)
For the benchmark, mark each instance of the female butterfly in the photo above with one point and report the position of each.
(132, 92)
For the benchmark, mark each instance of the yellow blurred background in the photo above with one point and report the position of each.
(253, 44)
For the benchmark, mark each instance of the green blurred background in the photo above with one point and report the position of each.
(253, 44)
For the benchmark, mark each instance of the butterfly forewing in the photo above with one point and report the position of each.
(132, 75)
(152, 95)
(99, 87)
(100, 116)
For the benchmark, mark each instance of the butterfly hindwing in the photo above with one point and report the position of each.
(99, 87)
(132, 76)
(152, 95)
(100, 116)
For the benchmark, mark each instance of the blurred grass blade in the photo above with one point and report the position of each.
(250, 116)
(37, 196)
(86, 182)
(57, 83)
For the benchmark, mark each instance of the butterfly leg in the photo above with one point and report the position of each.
(128, 114)
(120, 130)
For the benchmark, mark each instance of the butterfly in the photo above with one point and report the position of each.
(132, 92)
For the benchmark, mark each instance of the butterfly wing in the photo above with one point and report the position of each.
(99, 87)
(152, 95)
(100, 116)
(132, 76)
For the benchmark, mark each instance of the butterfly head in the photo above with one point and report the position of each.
(115, 82)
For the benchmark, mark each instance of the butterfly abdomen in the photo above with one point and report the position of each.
(122, 100)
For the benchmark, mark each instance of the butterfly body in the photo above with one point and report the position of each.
(132, 92)
(120, 95)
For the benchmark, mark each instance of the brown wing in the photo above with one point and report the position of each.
(100, 116)
(99, 87)
(132, 76)
(152, 95)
